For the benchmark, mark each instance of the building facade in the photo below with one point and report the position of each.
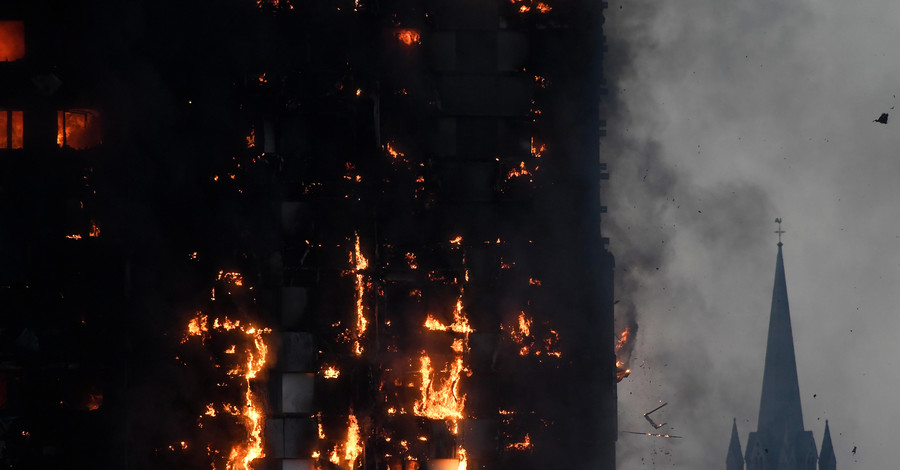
(272, 234)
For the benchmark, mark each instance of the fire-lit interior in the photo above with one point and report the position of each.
(378, 249)
(12, 41)
(78, 129)
(11, 129)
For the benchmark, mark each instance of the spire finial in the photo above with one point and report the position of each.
(779, 231)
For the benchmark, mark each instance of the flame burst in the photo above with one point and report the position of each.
(242, 454)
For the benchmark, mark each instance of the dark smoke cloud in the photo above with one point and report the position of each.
(685, 234)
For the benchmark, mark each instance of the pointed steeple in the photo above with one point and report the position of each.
(735, 460)
(826, 457)
(780, 414)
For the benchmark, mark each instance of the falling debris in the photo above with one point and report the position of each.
(853, 451)
(650, 420)
(667, 436)
(882, 119)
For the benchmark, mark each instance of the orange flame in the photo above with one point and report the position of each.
(331, 372)
(440, 399)
(460, 321)
(411, 261)
(394, 153)
(251, 139)
(95, 230)
(537, 150)
(96, 401)
(522, 334)
(244, 453)
(622, 369)
(623, 339)
(527, 5)
(360, 263)
(408, 36)
(233, 277)
(353, 445)
(524, 445)
(520, 172)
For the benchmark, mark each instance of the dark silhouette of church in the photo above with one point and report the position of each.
(780, 442)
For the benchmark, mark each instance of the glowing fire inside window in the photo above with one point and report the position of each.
(10, 129)
(12, 40)
(78, 129)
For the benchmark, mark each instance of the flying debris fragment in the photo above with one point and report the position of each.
(666, 436)
(854, 450)
(650, 420)
(882, 119)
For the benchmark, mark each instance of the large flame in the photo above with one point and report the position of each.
(353, 445)
(360, 263)
(440, 398)
(251, 363)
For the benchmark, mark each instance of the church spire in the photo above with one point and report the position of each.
(779, 409)
(735, 460)
(826, 457)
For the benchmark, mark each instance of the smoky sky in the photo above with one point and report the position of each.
(724, 116)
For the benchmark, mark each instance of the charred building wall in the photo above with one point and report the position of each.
(405, 192)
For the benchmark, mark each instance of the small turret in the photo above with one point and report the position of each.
(826, 457)
(735, 460)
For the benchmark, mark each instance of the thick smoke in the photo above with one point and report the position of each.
(687, 225)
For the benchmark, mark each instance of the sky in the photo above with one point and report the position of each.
(723, 116)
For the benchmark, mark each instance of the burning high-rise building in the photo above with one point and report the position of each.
(291, 235)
